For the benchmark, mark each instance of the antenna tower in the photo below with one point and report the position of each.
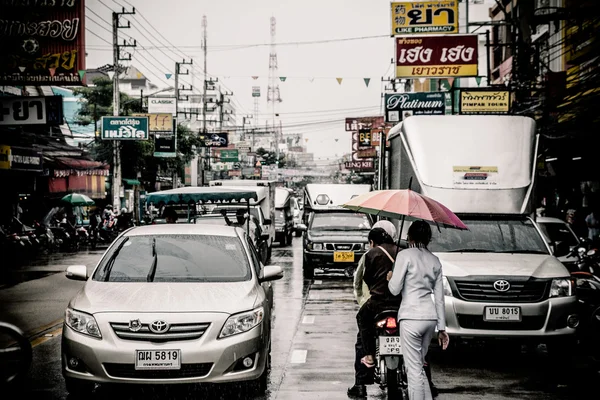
(273, 95)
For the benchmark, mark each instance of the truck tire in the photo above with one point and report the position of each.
(308, 271)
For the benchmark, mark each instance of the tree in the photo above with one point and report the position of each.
(136, 156)
(269, 157)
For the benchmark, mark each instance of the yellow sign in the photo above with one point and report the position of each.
(484, 101)
(4, 157)
(162, 122)
(425, 17)
(437, 71)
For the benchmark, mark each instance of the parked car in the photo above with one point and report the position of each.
(297, 210)
(170, 304)
(560, 237)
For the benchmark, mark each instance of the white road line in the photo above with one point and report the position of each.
(308, 319)
(299, 356)
(318, 282)
(282, 259)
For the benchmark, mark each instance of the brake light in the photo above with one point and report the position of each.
(390, 323)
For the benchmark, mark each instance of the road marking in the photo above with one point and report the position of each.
(299, 356)
(37, 331)
(318, 282)
(314, 296)
(308, 319)
(49, 336)
(282, 259)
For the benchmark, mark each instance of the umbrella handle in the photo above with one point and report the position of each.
(403, 217)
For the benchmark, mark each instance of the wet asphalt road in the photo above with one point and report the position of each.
(313, 344)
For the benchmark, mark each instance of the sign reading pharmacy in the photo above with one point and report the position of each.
(125, 128)
(425, 17)
(398, 106)
(484, 101)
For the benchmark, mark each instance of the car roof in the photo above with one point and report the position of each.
(549, 220)
(183, 229)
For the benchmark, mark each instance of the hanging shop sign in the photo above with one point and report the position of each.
(365, 165)
(398, 106)
(436, 56)
(165, 143)
(220, 139)
(425, 17)
(42, 43)
(364, 138)
(357, 151)
(368, 153)
(158, 105)
(354, 124)
(484, 101)
(20, 159)
(125, 128)
(26, 110)
(158, 122)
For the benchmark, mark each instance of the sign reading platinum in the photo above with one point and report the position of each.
(125, 128)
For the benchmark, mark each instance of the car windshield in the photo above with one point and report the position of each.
(558, 233)
(490, 236)
(332, 221)
(175, 258)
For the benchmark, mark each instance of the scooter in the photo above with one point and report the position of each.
(390, 371)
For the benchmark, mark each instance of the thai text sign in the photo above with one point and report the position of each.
(229, 156)
(401, 105)
(28, 110)
(16, 158)
(484, 101)
(425, 17)
(158, 122)
(125, 128)
(436, 56)
(42, 42)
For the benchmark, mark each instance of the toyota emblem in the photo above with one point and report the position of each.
(159, 327)
(501, 285)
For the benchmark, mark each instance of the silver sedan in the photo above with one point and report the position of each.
(167, 304)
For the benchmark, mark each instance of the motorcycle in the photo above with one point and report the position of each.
(588, 301)
(587, 259)
(390, 372)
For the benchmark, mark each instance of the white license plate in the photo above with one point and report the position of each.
(502, 314)
(390, 346)
(157, 359)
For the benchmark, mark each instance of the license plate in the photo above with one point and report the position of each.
(502, 314)
(390, 346)
(343, 256)
(158, 359)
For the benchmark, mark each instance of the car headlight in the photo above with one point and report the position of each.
(562, 287)
(243, 322)
(447, 288)
(82, 322)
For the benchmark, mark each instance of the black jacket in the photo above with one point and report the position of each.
(377, 266)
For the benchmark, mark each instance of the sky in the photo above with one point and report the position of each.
(313, 103)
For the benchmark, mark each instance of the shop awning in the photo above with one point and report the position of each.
(132, 182)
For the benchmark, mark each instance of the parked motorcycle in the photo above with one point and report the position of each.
(390, 371)
(587, 259)
(588, 300)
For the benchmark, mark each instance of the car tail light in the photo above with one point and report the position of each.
(390, 323)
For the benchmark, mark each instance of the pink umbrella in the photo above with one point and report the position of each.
(405, 203)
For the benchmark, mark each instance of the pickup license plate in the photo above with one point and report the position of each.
(157, 359)
(390, 346)
(502, 314)
(343, 256)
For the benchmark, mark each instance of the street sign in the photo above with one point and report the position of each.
(124, 128)
(229, 156)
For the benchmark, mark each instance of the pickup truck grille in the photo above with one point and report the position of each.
(343, 246)
(521, 291)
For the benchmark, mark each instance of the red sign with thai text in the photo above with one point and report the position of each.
(42, 42)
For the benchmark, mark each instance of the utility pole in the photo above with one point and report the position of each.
(204, 47)
(222, 101)
(116, 176)
(177, 98)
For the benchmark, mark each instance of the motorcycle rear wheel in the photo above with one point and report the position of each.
(392, 384)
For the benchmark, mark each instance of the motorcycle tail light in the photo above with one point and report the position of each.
(390, 323)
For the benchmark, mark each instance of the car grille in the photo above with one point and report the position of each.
(343, 246)
(175, 332)
(527, 323)
(521, 291)
(129, 371)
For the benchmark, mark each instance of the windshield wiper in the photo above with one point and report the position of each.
(521, 251)
(113, 257)
(150, 277)
(471, 251)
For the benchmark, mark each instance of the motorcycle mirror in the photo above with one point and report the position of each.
(581, 251)
(591, 252)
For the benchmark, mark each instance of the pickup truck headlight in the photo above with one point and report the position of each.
(447, 288)
(562, 287)
(242, 322)
(83, 323)
(314, 246)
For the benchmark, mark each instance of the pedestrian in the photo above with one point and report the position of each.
(417, 274)
(170, 215)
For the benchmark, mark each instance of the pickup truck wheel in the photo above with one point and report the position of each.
(308, 271)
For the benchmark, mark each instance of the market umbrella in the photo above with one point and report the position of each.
(405, 203)
(77, 199)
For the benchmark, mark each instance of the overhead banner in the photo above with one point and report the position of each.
(484, 101)
(20, 159)
(165, 143)
(436, 56)
(26, 110)
(42, 43)
(158, 105)
(399, 106)
(214, 139)
(124, 128)
(424, 17)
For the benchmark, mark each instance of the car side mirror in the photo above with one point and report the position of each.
(77, 272)
(270, 273)
(302, 227)
(267, 221)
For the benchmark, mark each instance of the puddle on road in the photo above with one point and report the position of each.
(12, 278)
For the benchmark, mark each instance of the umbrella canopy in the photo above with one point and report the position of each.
(405, 203)
(77, 199)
